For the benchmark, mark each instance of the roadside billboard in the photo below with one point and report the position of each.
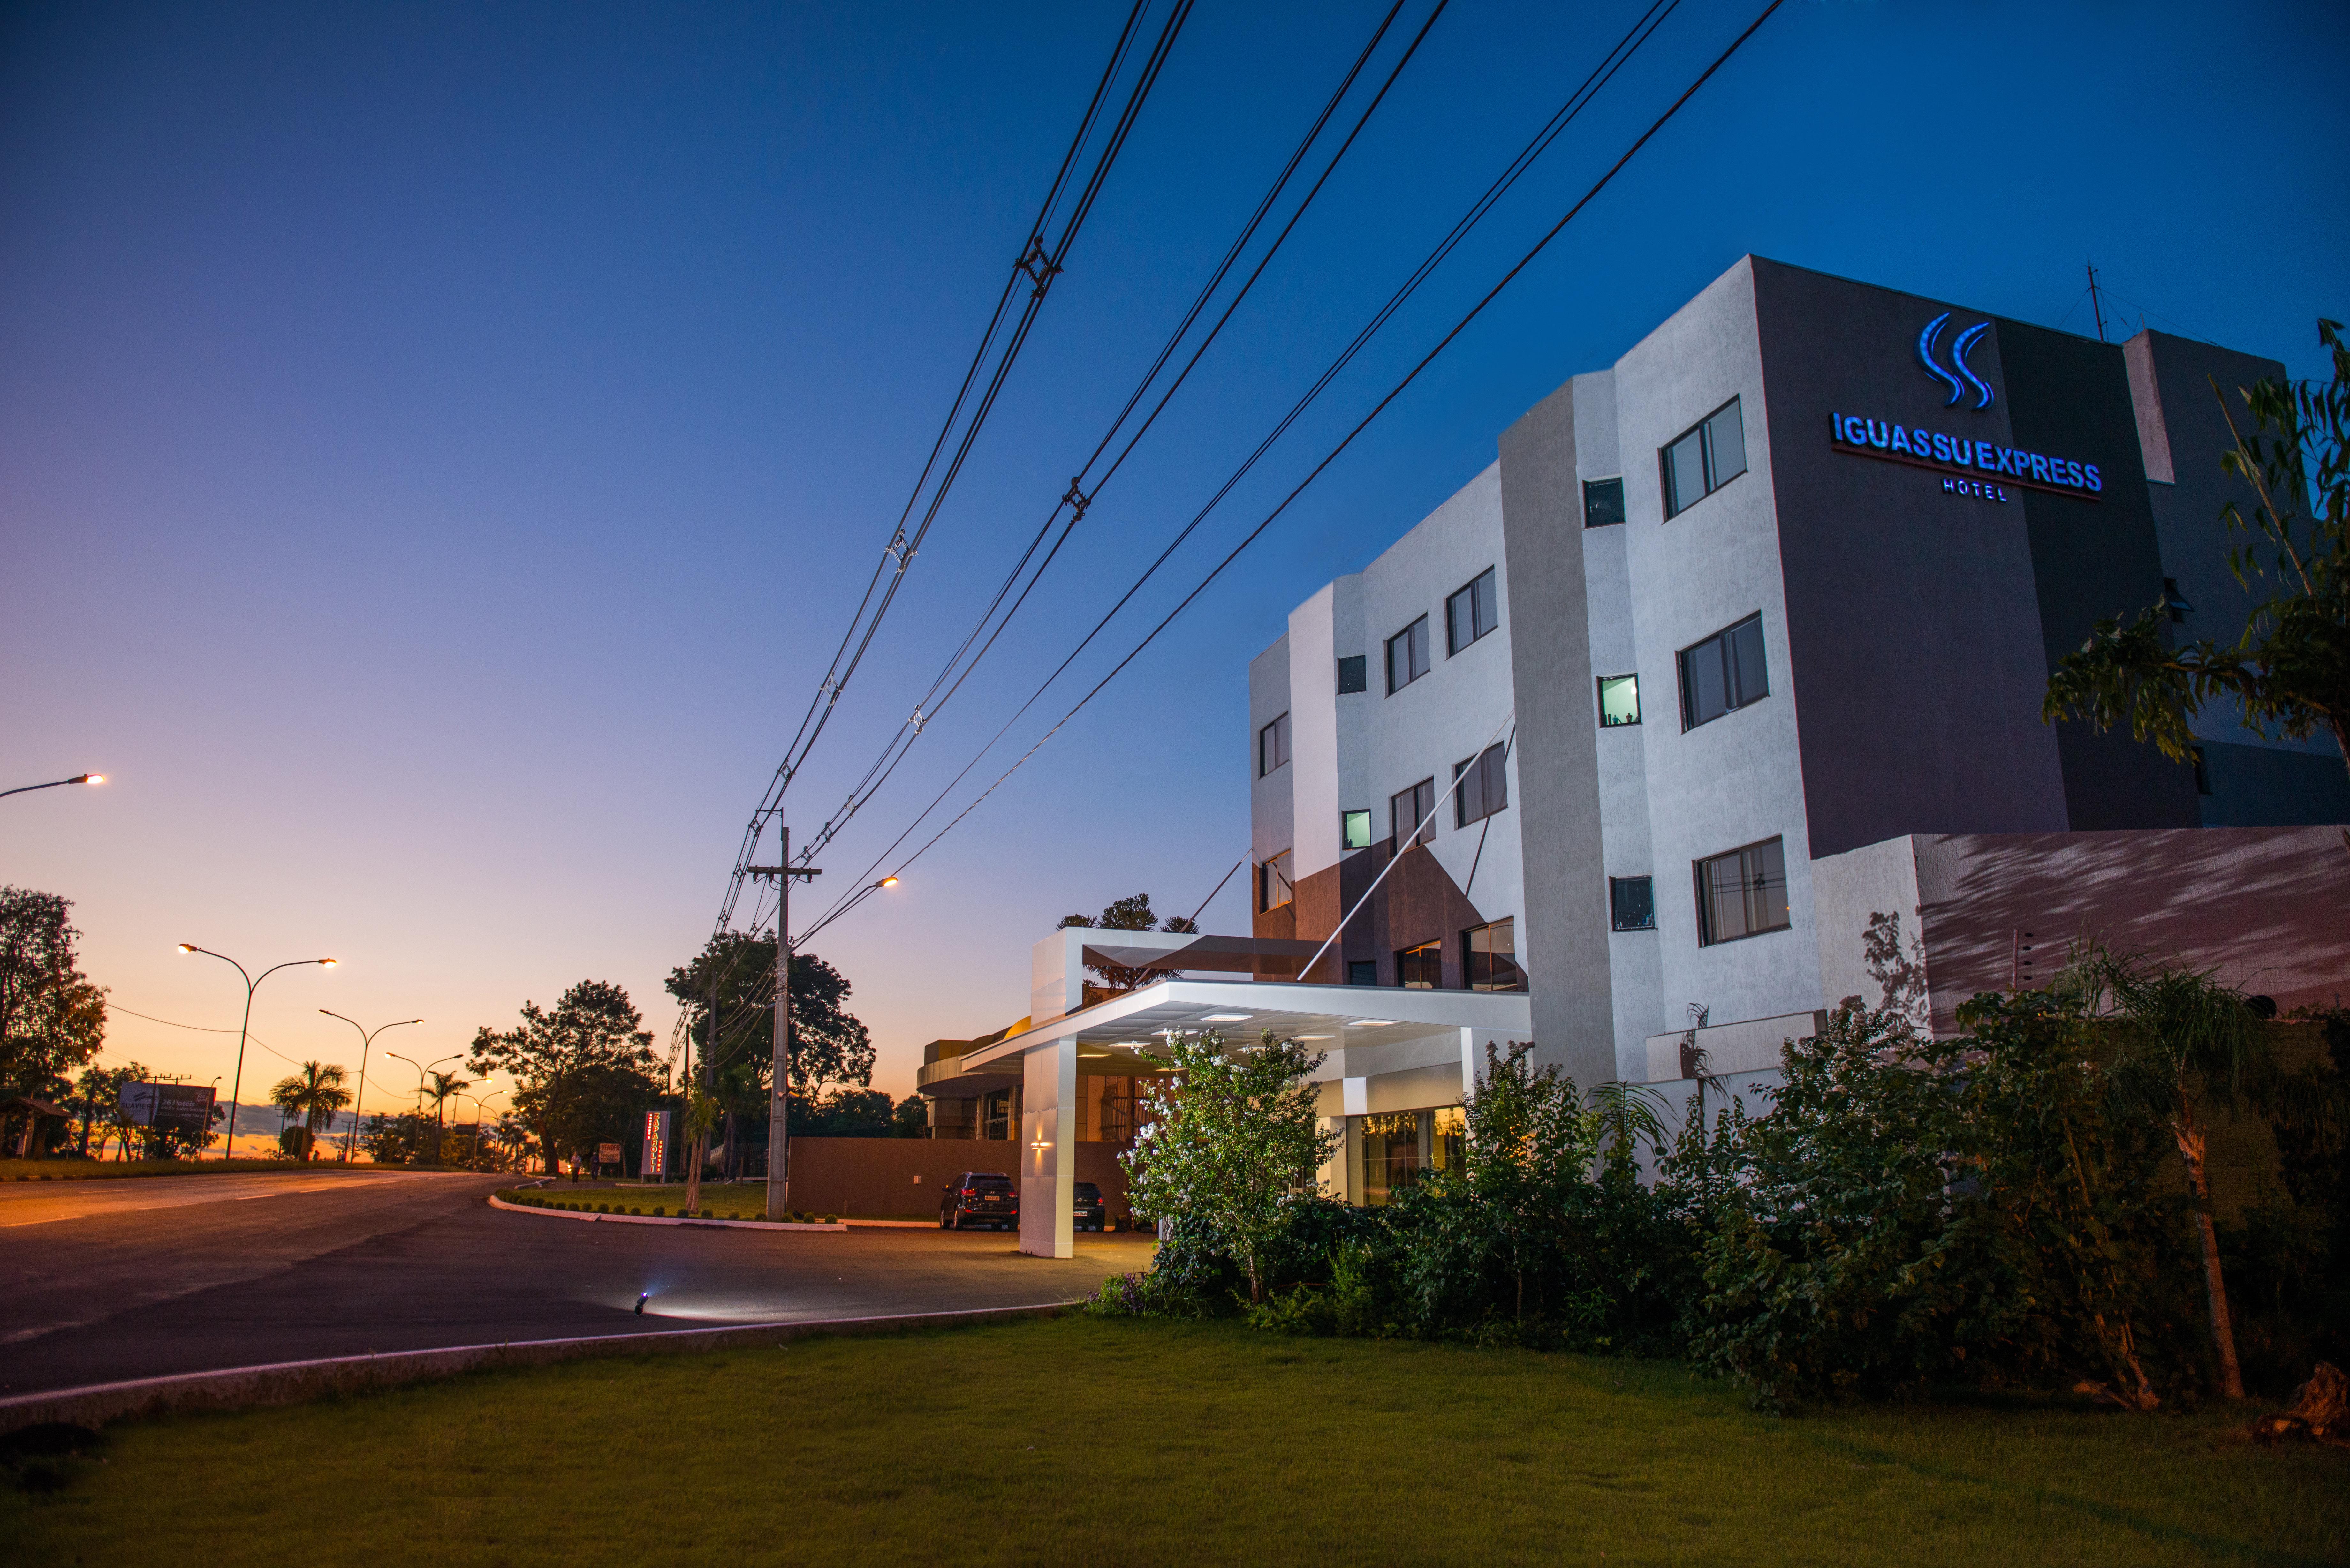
(188, 1107)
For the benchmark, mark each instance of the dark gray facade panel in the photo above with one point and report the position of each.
(2268, 786)
(1913, 628)
(1564, 944)
(2092, 559)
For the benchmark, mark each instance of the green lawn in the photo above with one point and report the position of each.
(1082, 1441)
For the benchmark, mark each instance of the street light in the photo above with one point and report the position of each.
(420, 1084)
(481, 1104)
(252, 983)
(78, 778)
(366, 1038)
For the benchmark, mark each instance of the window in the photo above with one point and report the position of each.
(2174, 603)
(1603, 503)
(1632, 903)
(1742, 893)
(1354, 830)
(1272, 888)
(1471, 613)
(1399, 1148)
(1484, 786)
(1705, 459)
(1722, 673)
(1619, 701)
(1409, 810)
(1407, 656)
(1273, 746)
(995, 1114)
(1354, 673)
(1490, 957)
(1362, 971)
(1420, 968)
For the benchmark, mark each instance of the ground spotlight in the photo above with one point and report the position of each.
(642, 1297)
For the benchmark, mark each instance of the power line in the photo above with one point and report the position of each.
(1079, 497)
(1039, 264)
(1316, 472)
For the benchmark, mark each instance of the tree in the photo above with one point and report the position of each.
(440, 1088)
(2290, 668)
(1234, 1135)
(315, 1094)
(51, 1017)
(1128, 914)
(578, 1070)
(735, 974)
(2188, 1043)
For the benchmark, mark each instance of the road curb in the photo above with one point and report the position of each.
(497, 1202)
(296, 1382)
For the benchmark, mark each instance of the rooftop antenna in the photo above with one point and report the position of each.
(2096, 305)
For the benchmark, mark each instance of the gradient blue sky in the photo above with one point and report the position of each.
(438, 445)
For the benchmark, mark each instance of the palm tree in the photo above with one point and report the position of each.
(444, 1087)
(2188, 1044)
(315, 1094)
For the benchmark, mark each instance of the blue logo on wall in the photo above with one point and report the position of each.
(1927, 341)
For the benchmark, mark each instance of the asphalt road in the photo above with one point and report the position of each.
(101, 1280)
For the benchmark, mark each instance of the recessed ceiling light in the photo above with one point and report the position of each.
(1370, 1024)
(1227, 1017)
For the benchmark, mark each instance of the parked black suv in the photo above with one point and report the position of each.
(1087, 1210)
(980, 1197)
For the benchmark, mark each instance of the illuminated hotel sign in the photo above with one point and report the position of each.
(656, 1161)
(1970, 467)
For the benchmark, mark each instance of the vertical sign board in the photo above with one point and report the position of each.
(656, 1161)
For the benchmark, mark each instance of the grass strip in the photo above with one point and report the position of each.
(1081, 1440)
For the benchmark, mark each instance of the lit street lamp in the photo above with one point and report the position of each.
(366, 1038)
(252, 983)
(78, 778)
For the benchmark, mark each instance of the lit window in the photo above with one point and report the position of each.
(1420, 968)
(1355, 830)
(1490, 957)
(1603, 503)
(1619, 701)
(1484, 786)
(1704, 460)
(1407, 656)
(1354, 674)
(1411, 811)
(1742, 893)
(1632, 903)
(1273, 887)
(1273, 746)
(1723, 673)
(1471, 613)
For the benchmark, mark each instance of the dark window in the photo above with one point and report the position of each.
(1471, 613)
(1273, 889)
(1362, 971)
(1705, 459)
(1408, 810)
(1619, 701)
(1273, 746)
(1354, 673)
(1484, 786)
(1603, 503)
(1742, 893)
(1354, 830)
(1632, 903)
(1490, 957)
(2202, 772)
(1420, 968)
(1724, 672)
(994, 1122)
(1407, 656)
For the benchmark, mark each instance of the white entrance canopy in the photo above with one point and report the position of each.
(1386, 1048)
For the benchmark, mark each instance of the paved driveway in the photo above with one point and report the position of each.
(107, 1280)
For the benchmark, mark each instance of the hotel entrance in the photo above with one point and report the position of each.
(1398, 1148)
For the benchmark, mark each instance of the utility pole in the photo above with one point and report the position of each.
(2096, 305)
(779, 1150)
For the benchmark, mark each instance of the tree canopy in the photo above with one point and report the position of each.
(1132, 913)
(736, 971)
(52, 1019)
(580, 1071)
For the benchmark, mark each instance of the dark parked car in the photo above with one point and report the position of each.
(980, 1197)
(1087, 1210)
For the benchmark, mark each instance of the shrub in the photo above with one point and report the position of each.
(661, 1210)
